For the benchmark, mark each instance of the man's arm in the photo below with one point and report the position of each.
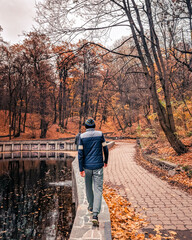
(81, 157)
(76, 140)
(106, 151)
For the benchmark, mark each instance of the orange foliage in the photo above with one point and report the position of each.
(54, 131)
(126, 223)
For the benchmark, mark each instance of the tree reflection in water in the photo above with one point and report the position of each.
(31, 207)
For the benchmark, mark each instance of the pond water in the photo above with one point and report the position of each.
(36, 199)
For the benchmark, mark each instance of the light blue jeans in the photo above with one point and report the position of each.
(94, 188)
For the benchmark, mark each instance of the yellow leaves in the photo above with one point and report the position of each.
(158, 237)
(159, 89)
(172, 233)
(153, 116)
(140, 236)
(126, 223)
(126, 107)
(157, 229)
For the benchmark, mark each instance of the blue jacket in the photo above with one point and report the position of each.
(90, 153)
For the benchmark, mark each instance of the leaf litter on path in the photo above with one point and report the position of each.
(126, 223)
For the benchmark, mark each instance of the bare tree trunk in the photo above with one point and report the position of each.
(14, 117)
(55, 112)
(9, 120)
(60, 100)
(99, 96)
(161, 67)
(81, 108)
(86, 86)
(116, 116)
(10, 105)
(44, 128)
(66, 122)
(165, 115)
(146, 110)
(189, 6)
(184, 121)
(20, 116)
(177, 145)
(63, 103)
(81, 112)
(104, 115)
(43, 104)
(25, 114)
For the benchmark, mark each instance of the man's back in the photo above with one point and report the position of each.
(90, 155)
(90, 149)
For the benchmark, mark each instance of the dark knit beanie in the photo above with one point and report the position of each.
(90, 123)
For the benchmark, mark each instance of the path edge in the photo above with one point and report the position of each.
(82, 228)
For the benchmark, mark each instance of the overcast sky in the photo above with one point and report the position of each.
(16, 16)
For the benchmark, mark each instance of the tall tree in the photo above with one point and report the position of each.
(37, 53)
(139, 17)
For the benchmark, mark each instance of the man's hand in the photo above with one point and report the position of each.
(82, 174)
(105, 164)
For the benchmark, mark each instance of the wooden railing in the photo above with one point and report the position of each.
(53, 145)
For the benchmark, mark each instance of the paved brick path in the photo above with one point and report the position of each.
(162, 204)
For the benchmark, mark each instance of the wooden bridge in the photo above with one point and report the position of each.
(37, 145)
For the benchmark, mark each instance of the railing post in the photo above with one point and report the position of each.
(58, 146)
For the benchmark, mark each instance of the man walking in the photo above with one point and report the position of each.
(90, 155)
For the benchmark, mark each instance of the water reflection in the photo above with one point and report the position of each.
(32, 154)
(35, 199)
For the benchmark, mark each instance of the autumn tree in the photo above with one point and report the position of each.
(139, 18)
(129, 86)
(9, 84)
(92, 74)
(174, 27)
(65, 60)
(37, 54)
(82, 77)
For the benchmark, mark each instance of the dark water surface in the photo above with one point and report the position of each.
(36, 199)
